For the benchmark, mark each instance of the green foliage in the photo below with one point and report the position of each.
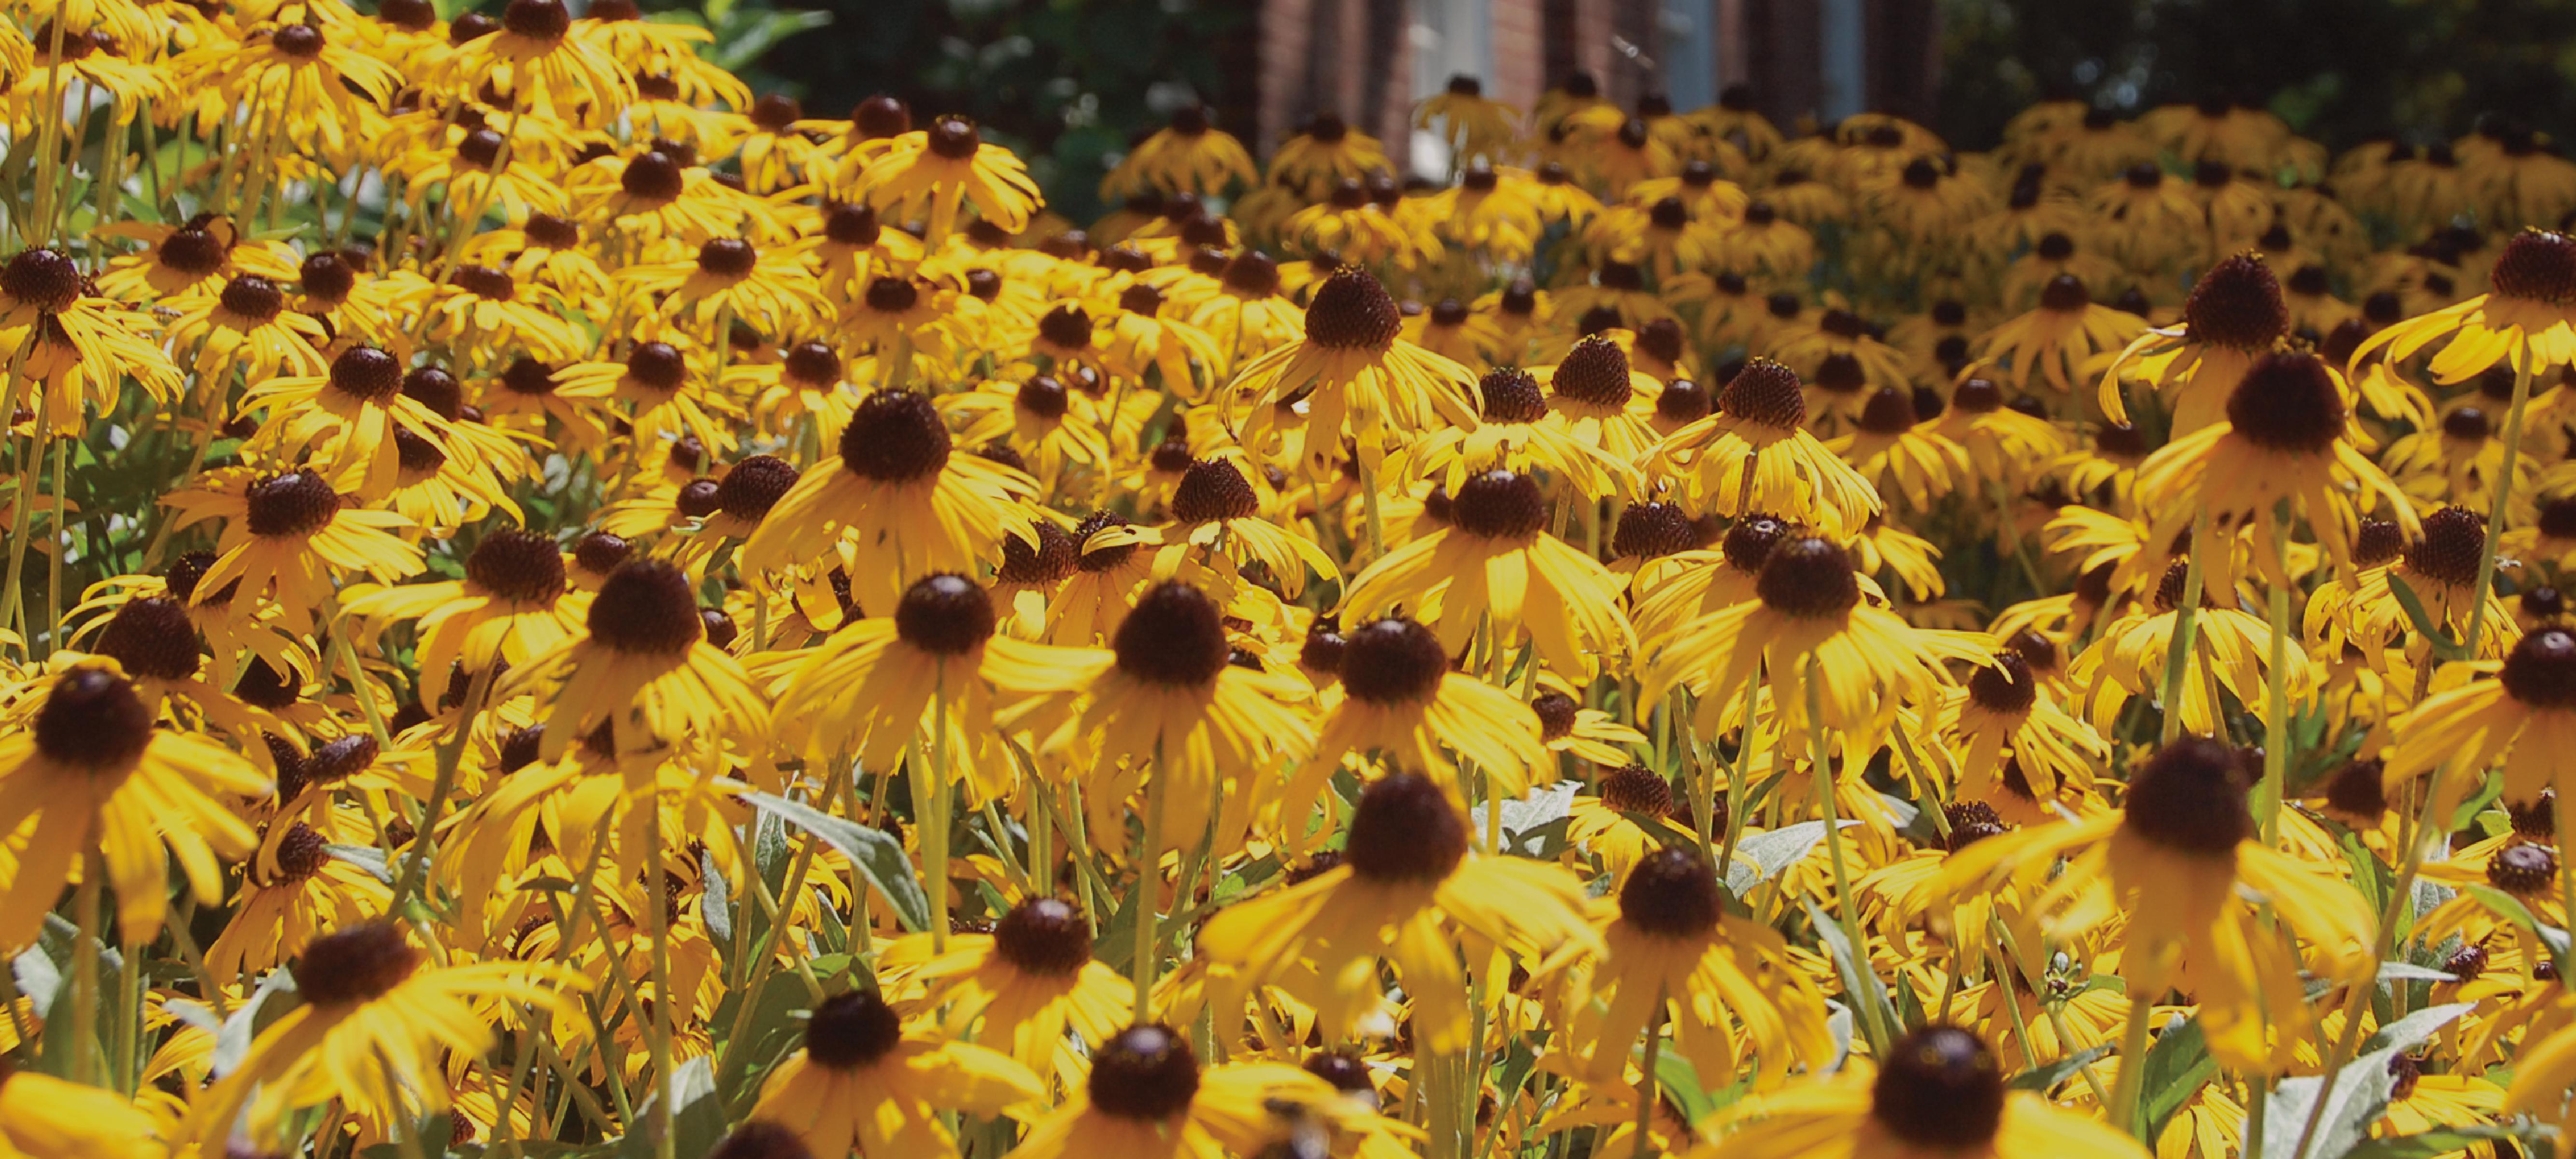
(1062, 82)
(2336, 70)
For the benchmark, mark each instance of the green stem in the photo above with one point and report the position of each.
(1149, 856)
(665, 1143)
(2186, 627)
(1647, 1092)
(85, 950)
(1824, 775)
(451, 753)
(2496, 506)
(2133, 1054)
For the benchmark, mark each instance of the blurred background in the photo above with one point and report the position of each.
(1065, 82)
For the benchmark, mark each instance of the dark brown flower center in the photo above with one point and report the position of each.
(851, 1030)
(1971, 822)
(301, 854)
(520, 566)
(882, 116)
(944, 615)
(537, 19)
(2454, 539)
(294, 503)
(252, 298)
(2540, 672)
(1672, 893)
(1393, 661)
(895, 436)
(1941, 1089)
(365, 372)
(1594, 373)
(2190, 798)
(1213, 489)
(646, 607)
(92, 721)
(356, 964)
(2237, 304)
(954, 138)
(1055, 557)
(327, 278)
(1352, 311)
(2006, 687)
(2356, 789)
(1556, 714)
(1146, 1074)
(601, 553)
(152, 638)
(1637, 789)
(755, 485)
(1405, 830)
(728, 257)
(1655, 528)
(1808, 578)
(1767, 393)
(2288, 402)
(1044, 936)
(1173, 637)
(2523, 870)
(437, 390)
(2537, 265)
(1499, 504)
(653, 176)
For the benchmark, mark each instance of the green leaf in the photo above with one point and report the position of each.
(878, 857)
(2045, 1078)
(1764, 856)
(2177, 1066)
(1681, 1081)
(1859, 981)
(366, 857)
(2358, 1096)
(2443, 645)
(715, 900)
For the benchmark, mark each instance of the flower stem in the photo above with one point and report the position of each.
(1824, 776)
(2186, 628)
(450, 753)
(85, 938)
(1149, 856)
(2503, 496)
(657, 925)
(1647, 1092)
(2133, 1068)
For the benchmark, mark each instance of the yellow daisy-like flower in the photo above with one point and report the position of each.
(929, 173)
(863, 1082)
(89, 776)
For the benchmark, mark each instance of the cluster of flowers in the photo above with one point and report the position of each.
(553, 607)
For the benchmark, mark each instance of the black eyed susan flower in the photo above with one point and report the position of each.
(2235, 314)
(286, 536)
(1940, 1092)
(1189, 154)
(1725, 987)
(2005, 705)
(2176, 859)
(535, 59)
(2288, 436)
(371, 1030)
(1599, 398)
(1495, 569)
(1755, 454)
(929, 173)
(2058, 341)
(1166, 701)
(899, 505)
(644, 666)
(875, 683)
(1217, 522)
(1809, 606)
(1031, 980)
(730, 279)
(1889, 445)
(1358, 379)
(2516, 720)
(862, 1081)
(1406, 888)
(1400, 698)
(2523, 320)
(1148, 1095)
(301, 894)
(514, 603)
(1474, 125)
(90, 776)
(1514, 434)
